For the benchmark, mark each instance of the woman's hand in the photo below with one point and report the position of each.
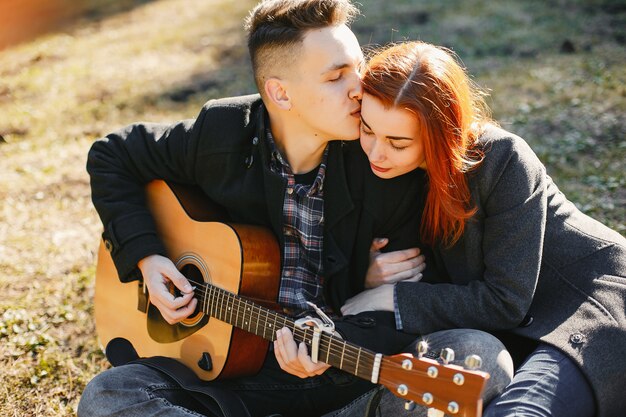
(295, 359)
(376, 299)
(158, 271)
(391, 267)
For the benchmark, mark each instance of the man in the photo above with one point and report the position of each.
(278, 162)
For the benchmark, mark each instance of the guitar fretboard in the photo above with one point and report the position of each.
(253, 318)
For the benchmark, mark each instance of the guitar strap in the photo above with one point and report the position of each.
(374, 401)
(220, 402)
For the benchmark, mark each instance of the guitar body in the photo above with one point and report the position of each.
(240, 259)
(236, 270)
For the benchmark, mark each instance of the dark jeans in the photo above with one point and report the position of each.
(138, 390)
(548, 383)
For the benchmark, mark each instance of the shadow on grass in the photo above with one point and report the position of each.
(233, 77)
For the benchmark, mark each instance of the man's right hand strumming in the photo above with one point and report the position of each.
(158, 272)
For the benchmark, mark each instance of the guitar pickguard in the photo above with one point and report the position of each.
(197, 272)
(163, 332)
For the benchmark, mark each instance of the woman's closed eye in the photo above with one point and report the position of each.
(396, 147)
(365, 130)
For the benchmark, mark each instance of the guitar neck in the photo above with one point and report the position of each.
(249, 316)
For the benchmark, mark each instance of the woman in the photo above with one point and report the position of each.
(514, 256)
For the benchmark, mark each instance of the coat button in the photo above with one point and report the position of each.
(108, 245)
(577, 338)
(255, 140)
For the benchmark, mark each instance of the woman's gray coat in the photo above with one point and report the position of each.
(530, 261)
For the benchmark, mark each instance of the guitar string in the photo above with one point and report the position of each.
(363, 358)
(256, 312)
(255, 309)
(222, 299)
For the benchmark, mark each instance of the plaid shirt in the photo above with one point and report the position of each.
(303, 231)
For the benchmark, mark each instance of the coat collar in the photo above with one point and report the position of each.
(337, 200)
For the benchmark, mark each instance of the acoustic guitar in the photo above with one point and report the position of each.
(235, 269)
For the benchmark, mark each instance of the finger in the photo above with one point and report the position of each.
(286, 354)
(304, 358)
(391, 268)
(406, 275)
(352, 308)
(173, 316)
(399, 255)
(287, 346)
(415, 278)
(164, 296)
(179, 302)
(378, 243)
(179, 280)
(310, 367)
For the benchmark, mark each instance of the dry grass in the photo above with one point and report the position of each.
(124, 61)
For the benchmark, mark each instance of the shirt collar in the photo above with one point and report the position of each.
(279, 164)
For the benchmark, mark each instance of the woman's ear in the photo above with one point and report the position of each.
(276, 92)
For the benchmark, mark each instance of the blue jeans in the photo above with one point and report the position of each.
(496, 361)
(548, 383)
(137, 390)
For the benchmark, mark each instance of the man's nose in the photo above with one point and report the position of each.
(356, 92)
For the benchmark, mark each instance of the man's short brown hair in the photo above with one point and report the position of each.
(276, 29)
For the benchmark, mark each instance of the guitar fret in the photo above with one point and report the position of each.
(237, 310)
(229, 309)
(206, 300)
(358, 358)
(247, 314)
(224, 301)
(210, 296)
(343, 350)
(214, 302)
(265, 327)
(221, 313)
(330, 343)
(256, 328)
(219, 305)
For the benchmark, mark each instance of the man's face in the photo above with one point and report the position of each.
(325, 89)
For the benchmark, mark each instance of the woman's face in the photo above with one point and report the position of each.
(390, 139)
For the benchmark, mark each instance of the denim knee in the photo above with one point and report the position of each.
(116, 388)
(496, 360)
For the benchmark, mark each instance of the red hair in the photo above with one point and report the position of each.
(428, 81)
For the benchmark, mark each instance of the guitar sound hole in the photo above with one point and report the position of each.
(194, 275)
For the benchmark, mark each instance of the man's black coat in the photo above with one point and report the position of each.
(224, 151)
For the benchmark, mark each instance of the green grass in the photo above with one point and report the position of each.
(123, 61)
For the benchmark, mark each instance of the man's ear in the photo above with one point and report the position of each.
(276, 92)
